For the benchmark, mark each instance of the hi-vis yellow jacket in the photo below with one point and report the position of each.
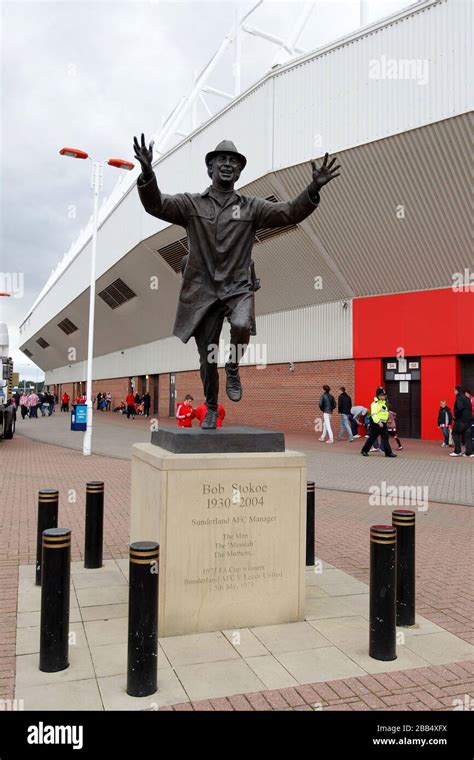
(378, 410)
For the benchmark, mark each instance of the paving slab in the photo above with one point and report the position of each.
(29, 674)
(338, 583)
(440, 648)
(114, 695)
(104, 612)
(28, 639)
(91, 597)
(30, 600)
(271, 672)
(289, 637)
(31, 619)
(406, 659)
(111, 659)
(103, 578)
(113, 631)
(337, 606)
(314, 591)
(71, 696)
(245, 642)
(323, 664)
(209, 680)
(198, 648)
(77, 567)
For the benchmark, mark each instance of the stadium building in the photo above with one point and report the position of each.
(375, 287)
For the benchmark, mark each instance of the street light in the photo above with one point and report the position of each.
(96, 184)
(73, 153)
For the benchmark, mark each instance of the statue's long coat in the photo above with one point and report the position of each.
(220, 239)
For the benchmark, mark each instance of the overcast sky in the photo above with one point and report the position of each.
(93, 74)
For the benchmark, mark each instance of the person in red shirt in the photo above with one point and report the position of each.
(184, 412)
(201, 411)
(130, 401)
(65, 402)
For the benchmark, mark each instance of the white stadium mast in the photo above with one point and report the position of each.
(287, 49)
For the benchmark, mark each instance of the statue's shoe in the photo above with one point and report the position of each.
(210, 420)
(233, 385)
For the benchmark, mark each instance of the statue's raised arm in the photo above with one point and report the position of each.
(324, 174)
(170, 208)
(144, 155)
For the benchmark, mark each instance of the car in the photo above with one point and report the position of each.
(7, 420)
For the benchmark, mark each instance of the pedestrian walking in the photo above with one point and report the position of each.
(392, 428)
(445, 418)
(462, 424)
(108, 399)
(41, 402)
(344, 406)
(146, 404)
(469, 395)
(327, 404)
(48, 403)
(378, 425)
(24, 405)
(65, 402)
(33, 402)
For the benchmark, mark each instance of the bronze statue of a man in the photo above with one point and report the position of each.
(217, 281)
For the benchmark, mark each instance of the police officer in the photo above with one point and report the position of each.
(378, 424)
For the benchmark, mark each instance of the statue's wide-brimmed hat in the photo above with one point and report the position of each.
(226, 146)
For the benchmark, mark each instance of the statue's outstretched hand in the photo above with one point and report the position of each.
(325, 173)
(143, 154)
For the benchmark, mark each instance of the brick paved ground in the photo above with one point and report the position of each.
(420, 463)
(444, 548)
(431, 688)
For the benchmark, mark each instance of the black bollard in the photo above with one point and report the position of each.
(404, 521)
(94, 531)
(48, 499)
(142, 663)
(55, 589)
(310, 491)
(383, 632)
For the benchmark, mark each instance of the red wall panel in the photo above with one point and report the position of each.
(437, 325)
(368, 375)
(439, 375)
(425, 323)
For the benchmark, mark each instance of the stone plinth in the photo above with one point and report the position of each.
(233, 439)
(232, 532)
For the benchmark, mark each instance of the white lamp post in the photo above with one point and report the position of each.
(96, 184)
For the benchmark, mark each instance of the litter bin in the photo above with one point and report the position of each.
(79, 417)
